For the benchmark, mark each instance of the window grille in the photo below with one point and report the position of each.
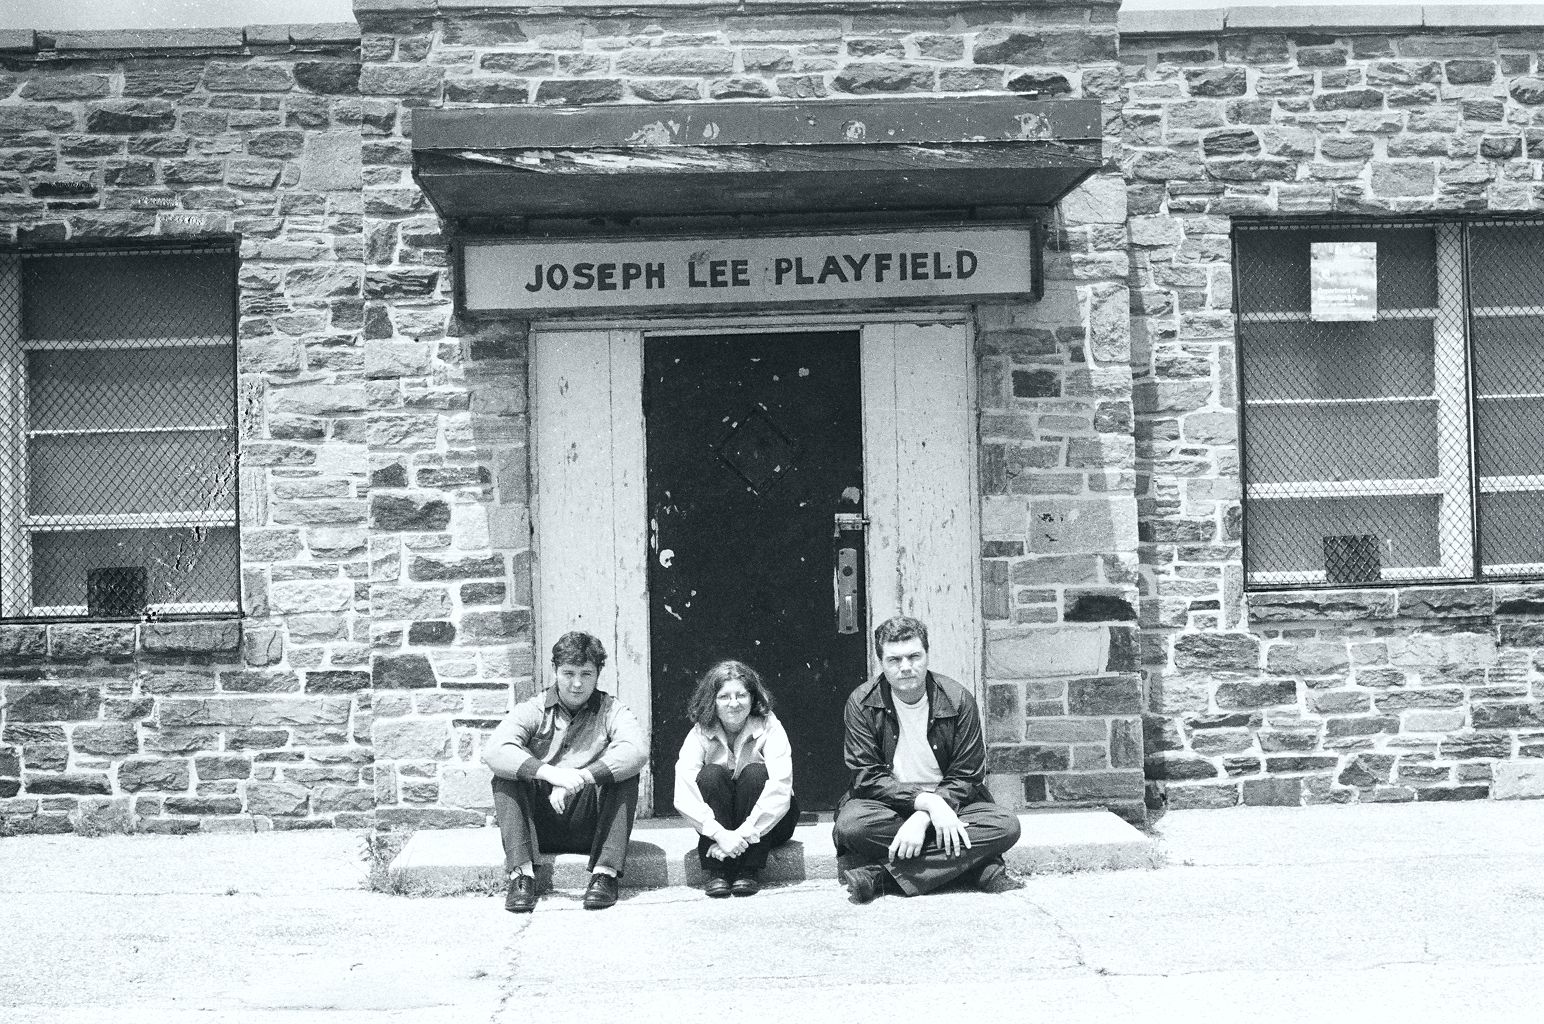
(1399, 438)
(118, 433)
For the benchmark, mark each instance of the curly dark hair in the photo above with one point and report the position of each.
(702, 708)
(896, 629)
(578, 648)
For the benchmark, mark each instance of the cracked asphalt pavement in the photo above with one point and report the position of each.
(1412, 912)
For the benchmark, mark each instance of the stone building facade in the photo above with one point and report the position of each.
(391, 550)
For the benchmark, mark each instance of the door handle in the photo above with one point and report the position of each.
(847, 590)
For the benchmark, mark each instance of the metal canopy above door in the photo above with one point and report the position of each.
(625, 161)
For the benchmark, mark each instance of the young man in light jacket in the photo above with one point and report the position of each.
(565, 776)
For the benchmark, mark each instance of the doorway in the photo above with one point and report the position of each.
(754, 447)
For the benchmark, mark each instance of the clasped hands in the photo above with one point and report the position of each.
(931, 809)
(564, 781)
(727, 843)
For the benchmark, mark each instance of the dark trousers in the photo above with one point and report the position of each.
(732, 800)
(865, 828)
(597, 820)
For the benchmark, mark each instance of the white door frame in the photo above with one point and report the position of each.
(918, 386)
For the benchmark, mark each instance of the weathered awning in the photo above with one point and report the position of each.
(725, 158)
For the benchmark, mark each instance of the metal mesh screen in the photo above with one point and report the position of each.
(1507, 318)
(1354, 378)
(118, 440)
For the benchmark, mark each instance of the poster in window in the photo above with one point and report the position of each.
(1344, 279)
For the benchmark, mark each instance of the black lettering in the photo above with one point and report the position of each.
(718, 274)
(535, 286)
(781, 268)
(740, 273)
(584, 276)
(881, 264)
(902, 264)
(605, 277)
(799, 276)
(654, 275)
(857, 265)
(557, 277)
(939, 272)
(919, 266)
(691, 276)
(631, 272)
(964, 263)
(832, 267)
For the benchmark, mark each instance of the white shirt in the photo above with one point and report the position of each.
(762, 740)
(914, 762)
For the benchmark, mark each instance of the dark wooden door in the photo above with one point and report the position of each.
(754, 450)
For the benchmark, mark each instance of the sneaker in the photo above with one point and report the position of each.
(748, 884)
(521, 895)
(994, 878)
(602, 892)
(867, 883)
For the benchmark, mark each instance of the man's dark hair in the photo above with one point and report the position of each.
(702, 708)
(578, 648)
(896, 629)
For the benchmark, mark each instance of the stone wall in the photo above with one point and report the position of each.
(263, 723)
(450, 431)
(1308, 697)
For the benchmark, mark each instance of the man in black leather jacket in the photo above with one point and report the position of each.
(918, 814)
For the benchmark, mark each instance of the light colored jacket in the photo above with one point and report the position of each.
(761, 741)
(602, 738)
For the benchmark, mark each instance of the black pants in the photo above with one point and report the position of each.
(865, 828)
(597, 820)
(732, 800)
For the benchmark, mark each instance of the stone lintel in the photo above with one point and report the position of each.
(18, 39)
(452, 7)
(151, 39)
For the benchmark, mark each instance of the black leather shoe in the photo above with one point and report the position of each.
(866, 884)
(602, 892)
(521, 896)
(717, 887)
(994, 878)
(746, 885)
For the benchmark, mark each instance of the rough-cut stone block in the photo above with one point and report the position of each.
(222, 766)
(190, 637)
(25, 702)
(1199, 797)
(1222, 652)
(276, 798)
(23, 641)
(1100, 786)
(162, 774)
(1308, 658)
(337, 682)
(1105, 695)
(300, 596)
(408, 513)
(246, 712)
(107, 739)
(1068, 525)
(1175, 765)
(1446, 602)
(1256, 695)
(1294, 606)
(411, 740)
(1047, 653)
(1027, 758)
(77, 783)
(1517, 780)
(466, 785)
(1273, 792)
(496, 627)
(269, 681)
(331, 162)
(79, 642)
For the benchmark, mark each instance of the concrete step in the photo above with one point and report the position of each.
(663, 852)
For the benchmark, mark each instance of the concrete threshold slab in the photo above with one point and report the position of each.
(663, 853)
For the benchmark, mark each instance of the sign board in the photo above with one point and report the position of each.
(1344, 281)
(596, 275)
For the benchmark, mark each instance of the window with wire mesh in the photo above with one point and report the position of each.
(1392, 379)
(118, 433)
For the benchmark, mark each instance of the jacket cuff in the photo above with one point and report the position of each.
(602, 773)
(528, 768)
